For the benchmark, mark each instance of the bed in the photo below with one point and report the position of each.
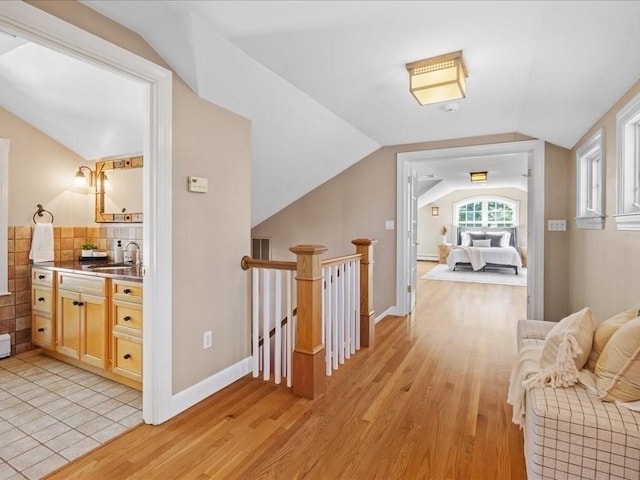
(485, 248)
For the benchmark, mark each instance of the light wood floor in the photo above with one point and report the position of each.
(428, 402)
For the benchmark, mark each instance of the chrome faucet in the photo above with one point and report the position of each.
(128, 258)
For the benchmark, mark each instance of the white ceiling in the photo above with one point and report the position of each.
(324, 82)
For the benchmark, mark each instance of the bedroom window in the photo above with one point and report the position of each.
(590, 183)
(628, 180)
(488, 212)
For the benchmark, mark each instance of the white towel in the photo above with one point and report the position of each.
(42, 243)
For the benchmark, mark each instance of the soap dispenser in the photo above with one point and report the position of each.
(117, 252)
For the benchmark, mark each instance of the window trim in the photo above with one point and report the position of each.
(593, 147)
(628, 153)
(485, 199)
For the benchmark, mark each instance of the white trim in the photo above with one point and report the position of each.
(29, 22)
(389, 311)
(4, 216)
(626, 119)
(593, 145)
(428, 258)
(535, 151)
(207, 387)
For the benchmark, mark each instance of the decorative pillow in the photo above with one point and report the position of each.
(496, 238)
(506, 239)
(604, 331)
(618, 368)
(565, 351)
(465, 239)
(477, 236)
(482, 243)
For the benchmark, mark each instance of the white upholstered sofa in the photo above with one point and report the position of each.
(569, 433)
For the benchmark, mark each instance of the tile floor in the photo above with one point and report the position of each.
(52, 412)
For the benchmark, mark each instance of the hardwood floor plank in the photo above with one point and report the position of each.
(427, 402)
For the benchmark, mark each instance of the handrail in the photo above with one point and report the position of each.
(330, 262)
(247, 262)
(272, 332)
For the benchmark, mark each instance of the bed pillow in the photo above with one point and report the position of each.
(482, 243)
(618, 368)
(604, 331)
(506, 239)
(496, 238)
(466, 238)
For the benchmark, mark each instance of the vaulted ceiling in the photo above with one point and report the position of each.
(324, 82)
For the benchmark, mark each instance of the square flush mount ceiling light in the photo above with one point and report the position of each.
(478, 177)
(438, 79)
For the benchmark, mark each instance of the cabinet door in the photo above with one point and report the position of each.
(94, 330)
(68, 323)
(42, 329)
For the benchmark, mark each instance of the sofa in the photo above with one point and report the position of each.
(569, 432)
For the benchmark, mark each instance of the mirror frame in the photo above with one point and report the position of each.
(101, 168)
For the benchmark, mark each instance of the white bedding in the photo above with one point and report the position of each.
(495, 255)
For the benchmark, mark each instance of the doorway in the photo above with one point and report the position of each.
(26, 21)
(406, 169)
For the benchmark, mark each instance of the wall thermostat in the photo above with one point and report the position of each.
(198, 184)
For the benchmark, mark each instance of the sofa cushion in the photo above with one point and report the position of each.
(603, 333)
(579, 325)
(618, 368)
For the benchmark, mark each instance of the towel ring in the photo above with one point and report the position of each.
(41, 211)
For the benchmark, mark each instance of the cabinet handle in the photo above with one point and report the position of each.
(80, 304)
(75, 302)
(127, 318)
(127, 291)
(126, 356)
(41, 299)
(40, 277)
(41, 329)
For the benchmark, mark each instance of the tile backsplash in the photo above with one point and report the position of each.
(15, 309)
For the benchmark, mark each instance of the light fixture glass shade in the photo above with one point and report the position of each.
(435, 211)
(478, 177)
(80, 180)
(438, 79)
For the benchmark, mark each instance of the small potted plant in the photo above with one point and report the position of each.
(87, 249)
(443, 232)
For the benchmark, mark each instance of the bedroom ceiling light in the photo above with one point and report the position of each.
(478, 177)
(438, 79)
(81, 180)
(435, 211)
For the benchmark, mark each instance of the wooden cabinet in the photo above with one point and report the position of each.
(42, 308)
(82, 319)
(126, 317)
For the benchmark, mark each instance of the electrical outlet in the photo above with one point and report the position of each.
(206, 339)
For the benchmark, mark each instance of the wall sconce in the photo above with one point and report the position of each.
(81, 180)
(435, 211)
(438, 79)
(478, 177)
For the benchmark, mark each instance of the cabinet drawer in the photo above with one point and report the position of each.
(42, 299)
(42, 277)
(127, 315)
(82, 284)
(42, 333)
(127, 291)
(127, 357)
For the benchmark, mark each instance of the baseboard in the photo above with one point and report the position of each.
(389, 311)
(428, 258)
(198, 392)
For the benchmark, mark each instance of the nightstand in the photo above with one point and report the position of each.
(523, 254)
(443, 252)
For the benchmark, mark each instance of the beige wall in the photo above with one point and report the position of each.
(604, 264)
(41, 171)
(429, 226)
(557, 178)
(210, 231)
(355, 204)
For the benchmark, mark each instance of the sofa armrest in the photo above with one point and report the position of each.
(532, 330)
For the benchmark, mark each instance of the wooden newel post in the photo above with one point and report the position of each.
(367, 314)
(308, 379)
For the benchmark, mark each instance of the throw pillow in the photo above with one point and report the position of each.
(496, 238)
(481, 243)
(618, 368)
(565, 351)
(604, 331)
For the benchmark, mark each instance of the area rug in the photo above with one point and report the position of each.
(501, 277)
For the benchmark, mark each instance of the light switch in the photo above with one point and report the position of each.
(557, 226)
(198, 184)
(389, 225)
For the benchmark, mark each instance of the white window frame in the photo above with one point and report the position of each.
(590, 183)
(515, 204)
(628, 179)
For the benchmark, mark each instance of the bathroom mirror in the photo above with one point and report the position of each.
(119, 190)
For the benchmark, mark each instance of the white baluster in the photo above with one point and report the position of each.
(326, 318)
(290, 328)
(266, 325)
(347, 316)
(277, 356)
(334, 315)
(255, 315)
(357, 295)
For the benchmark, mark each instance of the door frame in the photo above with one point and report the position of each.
(31, 23)
(534, 149)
